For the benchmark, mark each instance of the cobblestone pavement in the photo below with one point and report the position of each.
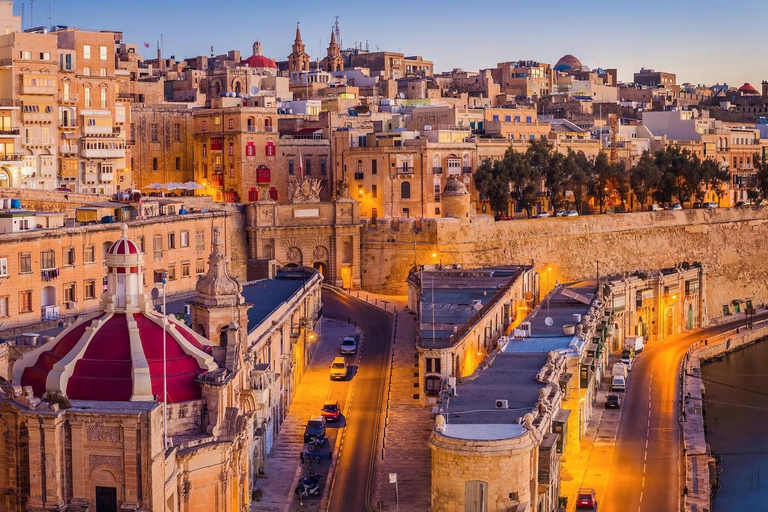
(283, 467)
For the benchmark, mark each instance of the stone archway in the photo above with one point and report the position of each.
(321, 267)
(5, 178)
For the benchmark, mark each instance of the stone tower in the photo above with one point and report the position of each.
(298, 60)
(257, 48)
(219, 306)
(333, 61)
(456, 201)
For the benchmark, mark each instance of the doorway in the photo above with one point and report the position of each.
(106, 499)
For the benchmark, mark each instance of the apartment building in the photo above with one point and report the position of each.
(93, 118)
(524, 78)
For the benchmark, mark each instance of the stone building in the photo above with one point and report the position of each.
(462, 314)
(141, 440)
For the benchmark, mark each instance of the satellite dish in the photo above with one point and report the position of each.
(254, 90)
(549, 321)
(401, 95)
(247, 96)
(155, 293)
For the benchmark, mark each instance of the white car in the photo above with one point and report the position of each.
(656, 207)
(542, 215)
(711, 205)
(572, 213)
(561, 213)
(349, 345)
(676, 206)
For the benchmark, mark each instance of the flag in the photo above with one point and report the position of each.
(146, 45)
(301, 165)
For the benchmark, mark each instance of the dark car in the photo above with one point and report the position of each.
(586, 500)
(612, 402)
(315, 428)
(331, 410)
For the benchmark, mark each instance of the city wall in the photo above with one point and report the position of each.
(730, 242)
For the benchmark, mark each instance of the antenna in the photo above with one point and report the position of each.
(50, 16)
(31, 13)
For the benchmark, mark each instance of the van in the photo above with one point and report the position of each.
(620, 369)
(618, 383)
(339, 369)
(634, 343)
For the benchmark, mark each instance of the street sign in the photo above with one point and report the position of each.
(393, 478)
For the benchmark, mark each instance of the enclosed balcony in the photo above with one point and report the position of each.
(102, 148)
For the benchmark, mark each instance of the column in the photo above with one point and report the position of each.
(36, 476)
(129, 461)
(79, 477)
(53, 463)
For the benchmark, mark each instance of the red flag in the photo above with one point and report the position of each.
(146, 45)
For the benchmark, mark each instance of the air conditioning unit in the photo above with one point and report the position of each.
(502, 404)
(70, 304)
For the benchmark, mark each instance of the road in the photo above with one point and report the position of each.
(356, 445)
(645, 468)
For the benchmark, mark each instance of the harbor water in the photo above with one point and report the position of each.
(736, 404)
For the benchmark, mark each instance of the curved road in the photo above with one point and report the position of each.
(356, 444)
(645, 468)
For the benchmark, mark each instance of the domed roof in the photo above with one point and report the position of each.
(259, 61)
(116, 354)
(455, 188)
(747, 89)
(568, 63)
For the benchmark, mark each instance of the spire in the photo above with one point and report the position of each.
(218, 287)
(298, 34)
(333, 38)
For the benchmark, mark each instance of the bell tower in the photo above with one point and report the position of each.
(219, 306)
(298, 60)
(333, 60)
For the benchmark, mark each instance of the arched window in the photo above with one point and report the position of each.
(223, 336)
(405, 190)
(238, 89)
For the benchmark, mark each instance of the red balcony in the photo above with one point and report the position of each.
(217, 180)
(230, 197)
(263, 175)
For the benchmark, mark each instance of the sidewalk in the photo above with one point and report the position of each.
(282, 467)
(407, 426)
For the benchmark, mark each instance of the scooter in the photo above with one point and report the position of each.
(316, 442)
(309, 486)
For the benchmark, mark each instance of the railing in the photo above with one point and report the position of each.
(269, 129)
(38, 141)
(250, 128)
(11, 157)
(359, 176)
(405, 170)
(9, 132)
(72, 98)
(437, 170)
(6, 62)
(68, 149)
(466, 170)
(217, 181)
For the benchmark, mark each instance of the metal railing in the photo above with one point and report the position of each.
(437, 170)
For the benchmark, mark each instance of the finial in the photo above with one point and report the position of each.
(124, 229)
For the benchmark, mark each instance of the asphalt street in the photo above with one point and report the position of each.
(356, 444)
(645, 469)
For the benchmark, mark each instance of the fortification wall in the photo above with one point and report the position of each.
(730, 242)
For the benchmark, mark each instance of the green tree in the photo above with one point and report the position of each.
(604, 175)
(644, 177)
(556, 178)
(716, 177)
(761, 171)
(492, 181)
(579, 170)
(525, 179)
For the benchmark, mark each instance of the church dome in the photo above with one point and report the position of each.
(747, 89)
(455, 188)
(568, 63)
(259, 61)
(116, 354)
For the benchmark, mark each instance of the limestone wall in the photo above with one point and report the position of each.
(730, 242)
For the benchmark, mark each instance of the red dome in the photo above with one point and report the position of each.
(259, 61)
(107, 365)
(124, 246)
(747, 89)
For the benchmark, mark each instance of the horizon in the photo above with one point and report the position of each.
(449, 41)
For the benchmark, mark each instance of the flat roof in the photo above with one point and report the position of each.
(267, 295)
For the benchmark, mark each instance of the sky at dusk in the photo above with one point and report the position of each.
(702, 41)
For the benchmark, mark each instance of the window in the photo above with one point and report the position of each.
(374, 166)
(205, 125)
(250, 149)
(176, 132)
(4, 307)
(290, 166)
(3, 267)
(528, 119)
(495, 118)
(432, 385)
(172, 272)
(87, 94)
(374, 191)
(406, 212)
(171, 240)
(26, 55)
(89, 254)
(25, 301)
(205, 150)
(309, 166)
(157, 246)
(45, 55)
(69, 292)
(405, 190)
(217, 120)
(153, 132)
(184, 269)
(200, 266)
(437, 192)
(47, 259)
(200, 240)
(507, 118)
(103, 52)
(517, 119)
(86, 51)
(184, 239)
(178, 163)
(102, 71)
(154, 163)
(69, 256)
(231, 123)
(89, 289)
(432, 365)
(323, 170)
(87, 71)
(231, 149)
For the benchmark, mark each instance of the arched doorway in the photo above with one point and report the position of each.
(48, 296)
(5, 178)
(321, 267)
(689, 325)
(640, 327)
(670, 324)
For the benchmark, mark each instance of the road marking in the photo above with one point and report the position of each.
(645, 456)
(643, 474)
(646, 443)
(643, 486)
(641, 497)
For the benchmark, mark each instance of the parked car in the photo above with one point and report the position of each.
(339, 369)
(572, 213)
(634, 343)
(612, 402)
(331, 410)
(561, 213)
(626, 358)
(315, 428)
(500, 216)
(618, 383)
(542, 215)
(709, 206)
(349, 345)
(656, 207)
(586, 499)
(743, 203)
(676, 206)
